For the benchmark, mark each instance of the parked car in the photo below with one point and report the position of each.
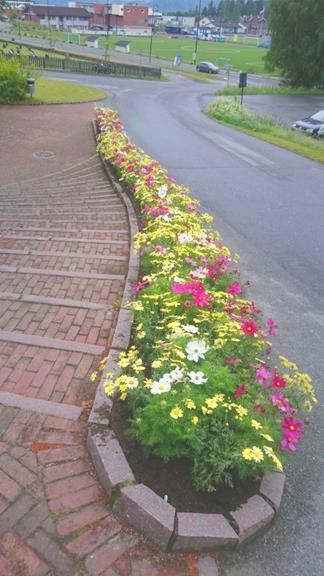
(311, 124)
(320, 133)
(208, 67)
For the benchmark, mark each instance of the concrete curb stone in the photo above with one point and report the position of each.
(252, 516)
(272, 487)
(203, 532)
(149, 513)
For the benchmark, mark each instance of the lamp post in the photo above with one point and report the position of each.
(151, 39)
(198, 20)
(48, 24)
(107, 29)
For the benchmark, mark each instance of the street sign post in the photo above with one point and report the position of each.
(242, 83)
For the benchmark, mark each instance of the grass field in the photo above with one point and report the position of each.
(241, 56)
(50, 91)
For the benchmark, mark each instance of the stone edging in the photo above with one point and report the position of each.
(138, 504)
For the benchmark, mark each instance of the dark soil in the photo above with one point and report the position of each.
(174, 478)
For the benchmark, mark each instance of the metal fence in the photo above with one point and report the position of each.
(89, 66)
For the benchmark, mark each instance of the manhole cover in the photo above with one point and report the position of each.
(43, 154)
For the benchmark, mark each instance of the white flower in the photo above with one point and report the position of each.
(176, 375)
(162, 191)
(166, 218)
(199, 273)
(185, 238)
(196, 349)
(166, 379)
(197, 378)
(159, 387)
(189, 328)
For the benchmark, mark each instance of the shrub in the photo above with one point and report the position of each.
(199, 376)
(12, 81)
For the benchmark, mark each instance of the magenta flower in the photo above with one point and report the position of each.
(232, 360)
(240, 390)
(278, 381)
(292, 433)
(160, 249)
(263, 376)
(140, 285)
(249, 328)
(234, 289)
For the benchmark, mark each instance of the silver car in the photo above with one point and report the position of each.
(311, 124)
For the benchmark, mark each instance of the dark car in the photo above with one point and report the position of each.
(311, 124)
(208, 67)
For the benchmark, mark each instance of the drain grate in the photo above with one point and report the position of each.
(43, 154)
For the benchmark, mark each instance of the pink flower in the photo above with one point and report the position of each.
(240, 390)
(278, 400)
(263, 376)
(249, 328)
(160, 249)
(140, 285)
(278, 381)
(232, 360)
(292, 432)
(234, 289)
(272, 327)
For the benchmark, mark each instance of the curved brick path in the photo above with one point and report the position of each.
(63, 258)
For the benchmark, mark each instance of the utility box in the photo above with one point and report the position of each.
(243, 80)
(31, 86)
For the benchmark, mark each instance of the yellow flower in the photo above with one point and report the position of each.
(138, 306)
(195, 420)
(269, 452)
(123, 362)
(267, 437)
(176, 413)
(256, 454)
(241, 411)
(156, 364)
(255, 424)
(93, 376)
(247, 454)
(190, 404)
(141, 335)
(148, 382)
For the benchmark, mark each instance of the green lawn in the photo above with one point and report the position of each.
(59, 92)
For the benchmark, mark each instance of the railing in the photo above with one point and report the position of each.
(89, 67)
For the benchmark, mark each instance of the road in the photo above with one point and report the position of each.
(268, 203)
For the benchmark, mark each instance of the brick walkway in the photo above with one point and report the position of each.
(64, 244)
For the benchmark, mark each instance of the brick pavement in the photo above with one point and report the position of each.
(64, 244)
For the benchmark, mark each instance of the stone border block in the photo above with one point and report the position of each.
(197, 532)
(123, 329)
(252, 516)
(147, 512)
(102, 404)
(272, 487)
(109, 460)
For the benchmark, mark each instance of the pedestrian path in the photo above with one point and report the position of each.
(64, 243)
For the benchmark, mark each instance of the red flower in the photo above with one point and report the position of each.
(249, 328)
(278, 381)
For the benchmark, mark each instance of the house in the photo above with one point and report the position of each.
(58, 17)
(91, 41)
(256, 25)
(117, 16)
(122, 46)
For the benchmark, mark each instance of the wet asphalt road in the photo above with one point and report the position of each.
(268, 204)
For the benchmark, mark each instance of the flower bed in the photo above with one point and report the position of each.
(199, 376)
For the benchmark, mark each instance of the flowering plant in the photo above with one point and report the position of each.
(199, 375)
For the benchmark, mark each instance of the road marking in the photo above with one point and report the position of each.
(246, 154)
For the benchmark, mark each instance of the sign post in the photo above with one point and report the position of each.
(242, 83)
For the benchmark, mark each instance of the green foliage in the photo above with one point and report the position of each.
(297, 46)
(229, 111)
(12, 81)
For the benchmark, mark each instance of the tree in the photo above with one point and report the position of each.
(297, 45)
(3, 5)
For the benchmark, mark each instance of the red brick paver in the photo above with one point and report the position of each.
(64, 243)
